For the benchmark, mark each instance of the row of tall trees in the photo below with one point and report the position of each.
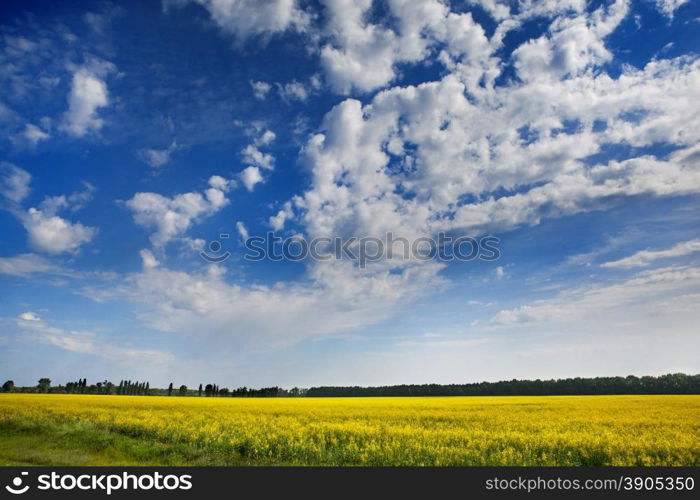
(77, 387)
(676, 383)
(213, 390)
(129, 388)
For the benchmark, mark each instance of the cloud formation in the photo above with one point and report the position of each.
(171, 217)
(647, 291)
(14, 182)
(89, 343)
(47, 231)
(87, 95)
(646, 257)
(247, 18)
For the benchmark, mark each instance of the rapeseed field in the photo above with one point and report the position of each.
(435, 431)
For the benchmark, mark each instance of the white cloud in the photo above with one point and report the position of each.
(87, 95)
(260, 89)
(29, 316)
(242, 231)
(34, 134)
(250, 176)
(47, 231)
(643, 292)
(51, 233)
(88, 343)
(669, 7)
(338, 299)
(27, 264)
(294, 91)
(73, 202)
(253, 156)
(156, 158)
(172, 217)
(221, 183)
(365, 182)
(363, 56)
(277, 221)
(459, 153)
(247, 18)
(148, 259)
(257, 160)
(14, 182)
(646, 257)
(574, 43)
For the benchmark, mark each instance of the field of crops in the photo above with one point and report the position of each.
(570, 430)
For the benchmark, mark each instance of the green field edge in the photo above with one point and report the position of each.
(27, 442)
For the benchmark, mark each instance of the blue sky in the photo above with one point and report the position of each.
(135, 133)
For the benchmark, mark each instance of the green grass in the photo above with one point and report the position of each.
(36, 443)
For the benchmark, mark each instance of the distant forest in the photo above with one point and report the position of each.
(675, 383)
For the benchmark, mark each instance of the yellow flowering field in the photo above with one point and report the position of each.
(555, 430)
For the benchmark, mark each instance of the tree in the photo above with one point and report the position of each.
(148, 388)
(183, 390)
(200, 390)
(8, 386)
(44, 384)
(170, 389)
(209, 390)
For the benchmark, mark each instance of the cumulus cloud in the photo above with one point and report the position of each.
(250, 176)
(257, 160)
(246, 18)
(498, 141)
(363, 55)
(87, 95)
(47, 231)
(253, 155)
(510, 140)
(646, 257)
(278, 220)
(172, 217)
(573, 44)
(51, 233)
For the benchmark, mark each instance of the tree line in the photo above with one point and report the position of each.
(675, 383)
(137, 388)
